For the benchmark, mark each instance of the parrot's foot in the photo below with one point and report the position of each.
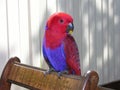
(49, 71)
(62, 72)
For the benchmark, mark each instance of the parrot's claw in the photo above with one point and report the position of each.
(62, 72)
(49, 71)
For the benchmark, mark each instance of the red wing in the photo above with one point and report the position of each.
(72, 55)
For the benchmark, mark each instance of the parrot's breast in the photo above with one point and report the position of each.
(56, 57)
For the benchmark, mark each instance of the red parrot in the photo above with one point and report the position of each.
(59, 47)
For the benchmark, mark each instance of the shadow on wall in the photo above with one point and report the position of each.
(3, 60)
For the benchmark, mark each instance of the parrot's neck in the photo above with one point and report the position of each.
(53, 40)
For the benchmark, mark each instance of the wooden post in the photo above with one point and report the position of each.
(33, 78)
(4, 84)
(91, 81)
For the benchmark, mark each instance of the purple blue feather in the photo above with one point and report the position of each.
(55, 57)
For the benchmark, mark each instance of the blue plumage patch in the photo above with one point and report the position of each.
(56, 57)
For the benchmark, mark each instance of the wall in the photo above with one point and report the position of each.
(97, 32)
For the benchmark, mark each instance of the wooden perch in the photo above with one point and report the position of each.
(33, 78)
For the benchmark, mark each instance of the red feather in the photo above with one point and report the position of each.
(72, 54)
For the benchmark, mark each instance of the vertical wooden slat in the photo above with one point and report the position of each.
(92, 36)
(85, 37)
(42, 30)
(24, 31)
(102, 44)
(7, 26)
(51, 6)
(62, 5)
(3, 35)
(117, 38)
(105, 40)
(30, 32)
(35, 40)
(111, 42)
(69, 7)
(81, 31)
(13, 26)
(57, 8)
(99, 37)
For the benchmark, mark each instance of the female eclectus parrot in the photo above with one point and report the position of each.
(59, 47)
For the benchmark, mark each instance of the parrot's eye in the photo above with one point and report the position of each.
(61, 20)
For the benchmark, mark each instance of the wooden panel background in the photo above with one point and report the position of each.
(97, 32)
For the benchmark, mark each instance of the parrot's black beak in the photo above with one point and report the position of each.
(70, 28)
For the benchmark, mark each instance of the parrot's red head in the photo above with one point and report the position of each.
(58, 26)
(60, 22)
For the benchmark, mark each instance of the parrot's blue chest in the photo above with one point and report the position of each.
(56, 57)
